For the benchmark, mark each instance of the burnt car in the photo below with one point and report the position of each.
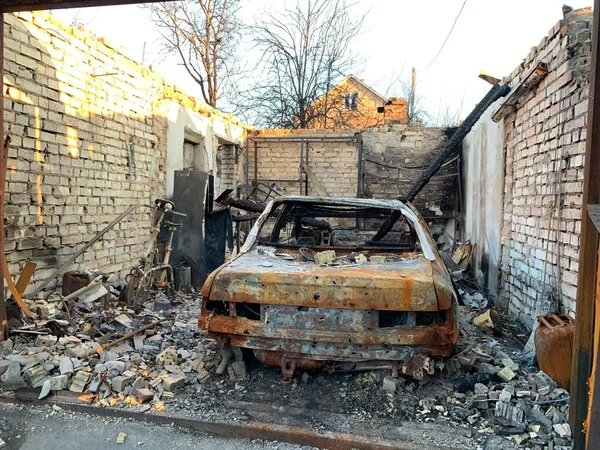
(311, 288)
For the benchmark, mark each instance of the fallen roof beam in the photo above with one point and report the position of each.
(450, 149)
(35, 5)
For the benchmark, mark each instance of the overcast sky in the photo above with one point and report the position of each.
(494, 36)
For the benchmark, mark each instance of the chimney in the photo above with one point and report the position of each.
(396, 110)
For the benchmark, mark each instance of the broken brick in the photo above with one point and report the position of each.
(173, 382)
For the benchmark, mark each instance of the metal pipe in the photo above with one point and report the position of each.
(247, 169)
(72, 258)
(298, 139)
(255, 162)
(300, 175)
(307, 147)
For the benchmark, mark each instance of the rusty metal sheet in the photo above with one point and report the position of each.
(397, 286)
(339, 351)
(438, 334)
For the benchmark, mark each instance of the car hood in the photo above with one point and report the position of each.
(261, 277)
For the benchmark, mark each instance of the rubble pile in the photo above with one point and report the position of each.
(157, 358)
(116, 357)
(487, 386)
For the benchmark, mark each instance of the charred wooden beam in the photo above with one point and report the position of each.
(452, 147)
(529, 81)
(7, 6)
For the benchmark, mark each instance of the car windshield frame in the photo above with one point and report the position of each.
(413, 218)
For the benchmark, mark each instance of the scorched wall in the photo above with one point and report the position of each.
(393, 158)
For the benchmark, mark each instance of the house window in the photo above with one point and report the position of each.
(351, 100)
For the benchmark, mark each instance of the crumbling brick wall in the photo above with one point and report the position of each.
(393, 159)
(88, 128)
(545, 141)
(230, 168)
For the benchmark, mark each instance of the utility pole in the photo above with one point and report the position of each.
(411, 102)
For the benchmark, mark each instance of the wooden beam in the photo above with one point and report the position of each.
(3, 318)
(593, 434)
(588, 261)
(7, 6)
(523, 87)
(13, 289)
(25, 276)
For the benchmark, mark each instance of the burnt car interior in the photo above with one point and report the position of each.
(339, 227)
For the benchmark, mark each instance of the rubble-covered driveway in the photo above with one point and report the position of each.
(482, 397)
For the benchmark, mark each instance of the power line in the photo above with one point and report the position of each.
(447, 37)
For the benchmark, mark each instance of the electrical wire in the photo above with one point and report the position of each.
(447, 37)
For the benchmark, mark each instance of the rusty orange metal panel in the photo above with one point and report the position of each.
(275, 300)
(438, 334)
(394, 286)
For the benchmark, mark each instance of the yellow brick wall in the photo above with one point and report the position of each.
(74, 106)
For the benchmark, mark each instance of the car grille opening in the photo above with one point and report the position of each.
(248, 310)
(217, 307)
(389, 319)
(404, 319)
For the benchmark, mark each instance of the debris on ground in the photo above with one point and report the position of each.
(486, 389)
(121, 438)
(114, 357)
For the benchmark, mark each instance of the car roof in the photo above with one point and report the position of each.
(366, 202)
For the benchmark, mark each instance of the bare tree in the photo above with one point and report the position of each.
(204, 34)
(306, 50)
(449, 116)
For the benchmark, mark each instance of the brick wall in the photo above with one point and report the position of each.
(334, 163)
(230, 168)
(394, 157)
(545, 140)
(88, 134)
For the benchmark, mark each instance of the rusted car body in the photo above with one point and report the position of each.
(394, 306)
